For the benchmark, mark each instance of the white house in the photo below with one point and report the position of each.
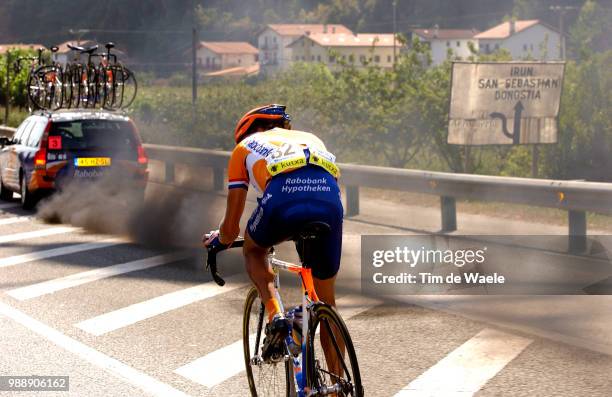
(523, 39)
(358, 49)
(442, 40)
(274, 53)
(217, 55)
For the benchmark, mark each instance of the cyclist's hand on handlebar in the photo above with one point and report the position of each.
(212, 242)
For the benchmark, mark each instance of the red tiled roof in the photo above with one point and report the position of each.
(229, 47)
(19, 46)
(300, 29)
(352, 40)
(444, 34)
(502, 30)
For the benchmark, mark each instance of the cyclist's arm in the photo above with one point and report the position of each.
(237, 187)
(230, 226)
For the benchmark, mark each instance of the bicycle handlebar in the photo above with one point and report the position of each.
(211, 260)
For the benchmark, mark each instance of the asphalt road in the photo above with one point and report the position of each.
(130, 319)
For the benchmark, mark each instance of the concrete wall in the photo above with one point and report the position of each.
(538, 42)
(210, 60)
(312, 52)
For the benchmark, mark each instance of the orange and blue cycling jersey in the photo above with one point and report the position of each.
(263, 155)
(296, 178)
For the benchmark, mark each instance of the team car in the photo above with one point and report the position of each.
(51, 149)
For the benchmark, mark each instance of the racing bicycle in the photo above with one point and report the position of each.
(302, 367)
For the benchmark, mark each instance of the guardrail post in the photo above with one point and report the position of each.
(577, 243)
(352, 200)
(218, 178)
(169, 172)
(449, 213)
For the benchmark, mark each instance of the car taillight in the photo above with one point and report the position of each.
(40, 158)
(142, 155)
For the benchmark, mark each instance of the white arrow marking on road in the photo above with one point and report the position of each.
(143, 310)
(47, 287)
(113, 366)
(71, 249)
(466, 369)
(220, 365)
(37, 233)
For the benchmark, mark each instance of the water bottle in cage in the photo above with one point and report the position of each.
(294, 315)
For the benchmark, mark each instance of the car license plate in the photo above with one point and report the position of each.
(92, 162)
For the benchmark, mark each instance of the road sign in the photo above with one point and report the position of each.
(504, 103)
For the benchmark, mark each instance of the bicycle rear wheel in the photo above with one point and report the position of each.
(333, 369)
(265, 379)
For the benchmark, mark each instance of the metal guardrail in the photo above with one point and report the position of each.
(575, 197)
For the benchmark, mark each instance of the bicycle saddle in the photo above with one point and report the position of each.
(109, 45)
(313, 230)
(86, 50)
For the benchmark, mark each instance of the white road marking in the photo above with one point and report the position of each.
(37, 233)
(466, 369)
(73, 280)
(109, 364)
(143, 310)
(14, 219)
(70, 249)
(220, 365)
(4, 206)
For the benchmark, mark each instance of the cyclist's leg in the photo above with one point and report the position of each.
(260, 272)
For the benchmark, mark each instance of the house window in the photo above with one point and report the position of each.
(524, 47)
(297, 58)
(448, 43)
(332, 59)
(344, 57)
(274, 39)
(351, 58)
(531, 47)
(389, 58)
(312, 57)
(487, 48)
(497, 46)
(458, 44)
(318, 58)
(377, 58)
(266, 40)
(303, 58)
(362, 58)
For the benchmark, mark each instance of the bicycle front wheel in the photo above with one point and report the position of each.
(331, 362)
(265, 379)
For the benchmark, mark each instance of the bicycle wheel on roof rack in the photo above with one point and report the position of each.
(36, 90)
(128, 87)
(55, 93)
(110, 87)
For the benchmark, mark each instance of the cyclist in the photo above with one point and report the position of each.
(296, 180)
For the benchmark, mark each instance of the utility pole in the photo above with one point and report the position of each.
(8, 87)
(562, 10)
(394, 31)
(194, 69)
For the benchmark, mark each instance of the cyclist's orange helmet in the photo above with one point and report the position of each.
(274, 114)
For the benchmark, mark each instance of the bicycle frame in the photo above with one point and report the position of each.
(309, 297)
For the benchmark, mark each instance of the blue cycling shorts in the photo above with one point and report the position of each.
(292, 200)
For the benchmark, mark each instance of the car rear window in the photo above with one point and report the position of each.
(94, 134)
